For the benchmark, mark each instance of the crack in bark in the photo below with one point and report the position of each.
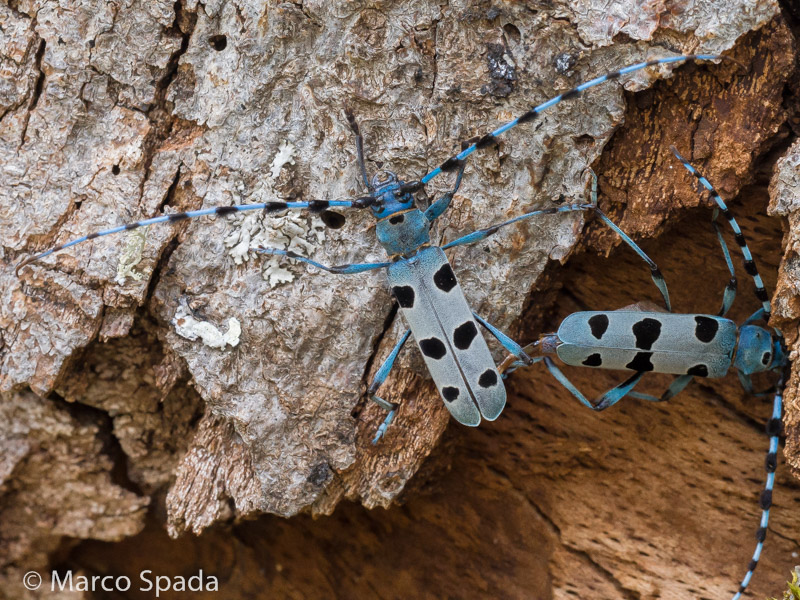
(112, 447)
(161, 118)
(13, 107)
(43, 241)
(556, 531)
(93, 43)
(435, 27)
(785, 538)
(309, 16)
(166, 253)
(551, 525)
(14, 6)
(623, 591)
(37, 89)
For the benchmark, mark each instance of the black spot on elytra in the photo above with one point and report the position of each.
(444, 278)
(706, 329)
(397, 219)
(641, 362)
(599, 324)
(449, 393)
(593, 360)
(405, 295)
(647, 331)
(488, 378)
(698, 371)
(464, 334)
(433, 348)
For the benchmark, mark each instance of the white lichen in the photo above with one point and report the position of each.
(283, 157)
(294, 230)
(131, 256)
(190, 328)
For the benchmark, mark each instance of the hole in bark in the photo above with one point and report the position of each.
(513, 32)
(218, 42)
(332, 219)
(115, 169)
(584, 140)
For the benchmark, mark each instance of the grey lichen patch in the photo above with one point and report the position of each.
(294, 230)
(131, 255)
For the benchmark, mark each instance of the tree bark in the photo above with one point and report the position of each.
(175, 369)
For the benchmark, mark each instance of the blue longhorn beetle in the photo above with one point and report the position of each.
(686, 345)
(419, 273)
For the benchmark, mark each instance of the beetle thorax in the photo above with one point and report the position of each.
(403, 232)
(754, 351)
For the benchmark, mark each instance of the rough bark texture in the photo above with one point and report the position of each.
(178, 371)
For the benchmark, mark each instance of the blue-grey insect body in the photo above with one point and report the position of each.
(680, 344)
